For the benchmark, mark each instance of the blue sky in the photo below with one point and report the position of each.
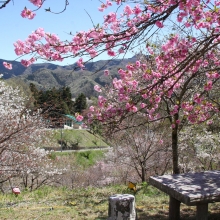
(75, 18)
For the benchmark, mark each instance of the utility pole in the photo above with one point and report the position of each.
(61, 137)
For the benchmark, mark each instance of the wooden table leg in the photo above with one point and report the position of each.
(174, 209)
(202, 211)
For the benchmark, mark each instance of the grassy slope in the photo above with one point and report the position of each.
(88, 204)
(84, 159)
(86, 139)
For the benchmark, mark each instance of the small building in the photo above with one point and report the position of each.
(63, 121)
(70, 122)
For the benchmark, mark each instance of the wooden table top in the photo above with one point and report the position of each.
(190, 188)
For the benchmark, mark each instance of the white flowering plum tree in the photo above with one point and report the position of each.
(199, 149)
(21, 136)
(144, 150)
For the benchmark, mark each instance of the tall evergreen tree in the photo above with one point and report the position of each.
(80, 103)
(53, 102)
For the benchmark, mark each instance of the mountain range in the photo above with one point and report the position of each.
(46, 75)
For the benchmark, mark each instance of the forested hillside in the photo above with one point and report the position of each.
(46, 76)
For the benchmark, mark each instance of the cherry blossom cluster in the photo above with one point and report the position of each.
(118, 30)
(27, 13)
(162, 82)
(180, 58)
(104, 6)
(7, 65)
(37, 3)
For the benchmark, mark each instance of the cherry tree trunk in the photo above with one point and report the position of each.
(143, 172)
(175, 147)
(174, 207)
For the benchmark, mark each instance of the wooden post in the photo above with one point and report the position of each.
(121, 207)
(174, 209)
(202, 211)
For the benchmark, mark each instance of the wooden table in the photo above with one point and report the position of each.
(193, 189)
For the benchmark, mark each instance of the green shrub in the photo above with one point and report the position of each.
(88, 158)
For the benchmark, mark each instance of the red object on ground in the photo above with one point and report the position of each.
(16, 190)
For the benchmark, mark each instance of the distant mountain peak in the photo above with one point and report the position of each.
(47, 75)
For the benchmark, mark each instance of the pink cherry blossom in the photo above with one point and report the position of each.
(138, 64)
(128, 10)
(27, 63)
(128, 105)
(173, 126)
(101, 101)
(27, 13)
(79, 117)
(208, 86)
(101, 9)
(137, 9)
(134, 109)
(177, 121)
(104, 6)
(197, 98)
(91, 108)
(38, 3)
(106, 72)
(80, 63)
(7, 65)
(111, 53)
(143, 105)
(159, 24)
(97, 88)
(149, 50)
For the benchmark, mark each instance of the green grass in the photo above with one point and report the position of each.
(83, 137)
(83, 158)
(88, 158)
(89, 204)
